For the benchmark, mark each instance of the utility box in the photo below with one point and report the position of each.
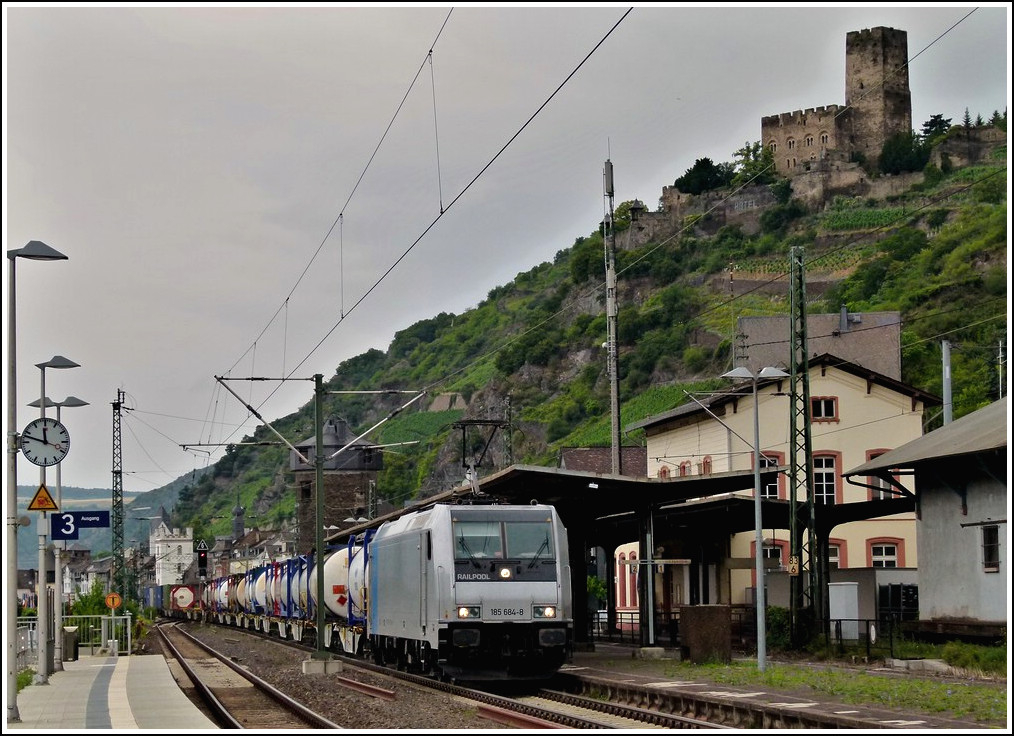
(706, 631)
(70, 643)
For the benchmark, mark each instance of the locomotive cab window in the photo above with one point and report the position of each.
(529, 540)
(477, 540)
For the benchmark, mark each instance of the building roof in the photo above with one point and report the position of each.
(981, 431)
(695, 405)
(633, 459)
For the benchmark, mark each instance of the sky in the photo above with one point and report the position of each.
(266, 190)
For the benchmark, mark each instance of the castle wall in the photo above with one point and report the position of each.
(805, 135)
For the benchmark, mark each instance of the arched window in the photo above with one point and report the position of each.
(706, 465)
(773, 146)
(632, 577)
(663, 472)
(791, 143)
(621, 581)
(808, 141)
(685, 468)
(824, 139)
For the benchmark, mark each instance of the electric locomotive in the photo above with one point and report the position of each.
(459, 591)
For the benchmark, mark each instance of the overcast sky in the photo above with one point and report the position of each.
(256, 190)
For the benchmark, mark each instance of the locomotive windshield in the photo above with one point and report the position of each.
(484, 539)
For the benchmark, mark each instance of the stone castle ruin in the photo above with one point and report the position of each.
(821, 150)
(878, 105)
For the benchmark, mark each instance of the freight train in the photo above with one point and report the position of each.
(460, 592)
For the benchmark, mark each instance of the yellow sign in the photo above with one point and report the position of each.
(43, 501)
(113, 600)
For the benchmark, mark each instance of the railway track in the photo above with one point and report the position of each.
(546, 709)
(236, 698)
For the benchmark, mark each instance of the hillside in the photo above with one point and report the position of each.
(531, 354)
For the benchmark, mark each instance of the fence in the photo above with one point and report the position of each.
(93, 633)
(871, 637)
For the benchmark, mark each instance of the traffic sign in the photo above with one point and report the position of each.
(202, 546)
(42, 501)
(113, 600)
(67, 524)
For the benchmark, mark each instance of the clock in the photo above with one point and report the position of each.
(45, 441)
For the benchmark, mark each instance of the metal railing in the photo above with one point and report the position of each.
(95, 633)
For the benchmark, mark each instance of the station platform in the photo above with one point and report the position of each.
(119, 693)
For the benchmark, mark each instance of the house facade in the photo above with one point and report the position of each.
(855, 415)
(962, 471)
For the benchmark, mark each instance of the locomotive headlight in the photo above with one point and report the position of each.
(544, 611)
(468, 611)
(505, 573)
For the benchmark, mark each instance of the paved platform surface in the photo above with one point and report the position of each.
(119, 693)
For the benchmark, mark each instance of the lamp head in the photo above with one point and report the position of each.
(36, 250)
(58, 361)
(741, 372)
(72, 401)
(45, 400)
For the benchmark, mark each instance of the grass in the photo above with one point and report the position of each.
(982, 702)
(25, 678)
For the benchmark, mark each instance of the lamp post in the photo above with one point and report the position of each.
(70, 402)
(42, 676)
(760, 602)
(35, 250)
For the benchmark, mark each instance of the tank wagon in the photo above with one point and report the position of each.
(461, 592)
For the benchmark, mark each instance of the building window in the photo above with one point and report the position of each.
(809, 141)
(685, 468)
(991, 548)
(824, 479)
(621, 582)
(706, 465)
(790, 144)
(773, 146)
(883, 488)
(824, 138)
(663, 472)
(770, 488)
(833, 556)
(632, 577)
(886, 554)
(773, 552)
(823, 409)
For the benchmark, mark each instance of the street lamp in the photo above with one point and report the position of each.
(760, 603)
(69, 402)
(35, 250)
(42, 676)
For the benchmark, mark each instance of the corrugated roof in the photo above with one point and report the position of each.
(980, 431)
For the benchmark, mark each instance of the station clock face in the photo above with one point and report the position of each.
(45, 441)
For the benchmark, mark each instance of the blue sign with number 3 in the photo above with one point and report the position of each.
(67, 524)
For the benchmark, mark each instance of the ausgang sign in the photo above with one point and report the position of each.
(67, 524)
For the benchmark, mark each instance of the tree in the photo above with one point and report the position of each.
(755, 164)
(704, 176)
(904, 152)
(966, 123)
(935, 128)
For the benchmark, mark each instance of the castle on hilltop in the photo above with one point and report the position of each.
(878, 105)
(824, 152)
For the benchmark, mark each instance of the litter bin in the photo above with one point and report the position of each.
(70, 643)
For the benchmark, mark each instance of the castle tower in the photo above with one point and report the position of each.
(876, 88)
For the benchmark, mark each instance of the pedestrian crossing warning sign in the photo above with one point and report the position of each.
(43, 501)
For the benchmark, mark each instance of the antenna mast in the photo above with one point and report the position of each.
(609, 237)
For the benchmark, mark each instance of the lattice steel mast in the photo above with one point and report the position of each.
(118, 576)
(807, 585)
